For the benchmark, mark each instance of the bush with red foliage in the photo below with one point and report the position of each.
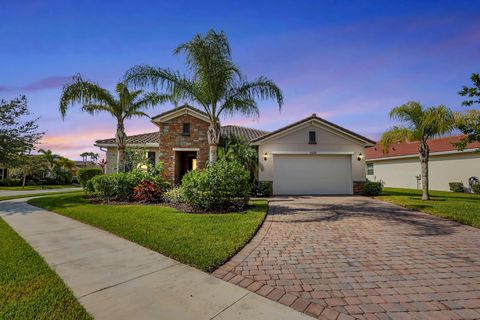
(148, 191)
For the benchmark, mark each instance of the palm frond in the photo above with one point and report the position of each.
(395, 135)
(438, 121)
(83, 92)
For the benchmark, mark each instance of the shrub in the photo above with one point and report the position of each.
(84, 175)
(476, 188)
(456, 186)
(8, 182)
(174, 196)
(104, 187)
(265, 188)
(148, 191)
(124, 185)
(221, 185)
(372, 188)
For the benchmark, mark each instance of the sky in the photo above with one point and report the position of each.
(349, 62)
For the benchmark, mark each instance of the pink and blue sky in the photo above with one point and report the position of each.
(348, 61)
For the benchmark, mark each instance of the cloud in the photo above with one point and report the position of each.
(53, 82)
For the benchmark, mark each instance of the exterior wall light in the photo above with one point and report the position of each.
(360, 157)
(265, 156)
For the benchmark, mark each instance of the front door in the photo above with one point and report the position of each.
(184, 162)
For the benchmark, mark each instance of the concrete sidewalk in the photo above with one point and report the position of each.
(7, 193)
(117, 279)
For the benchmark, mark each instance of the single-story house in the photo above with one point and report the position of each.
(311, 156)
(400, 167)
(80, 164)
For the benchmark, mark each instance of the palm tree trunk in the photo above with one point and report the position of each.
(213, 135)
(121, 139)
(424, 152)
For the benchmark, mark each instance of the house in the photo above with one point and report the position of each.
(311, 156)
(80, 164)
(400, 167)
(3, 173)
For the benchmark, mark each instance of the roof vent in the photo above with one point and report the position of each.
(314, 115)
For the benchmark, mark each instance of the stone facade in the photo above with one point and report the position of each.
(171, 136)
(358, 187)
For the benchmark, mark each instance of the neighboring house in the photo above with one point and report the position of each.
(311, 156)
(400, 167)
(79, 164)
(3, 173)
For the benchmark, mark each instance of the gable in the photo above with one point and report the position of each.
(326, 133)
(179, 112)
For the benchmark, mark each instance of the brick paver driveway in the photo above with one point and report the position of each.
(355, 257)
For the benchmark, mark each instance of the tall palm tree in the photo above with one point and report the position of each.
(84, 156)
(421, 124)
(94, 99)
(214, 82)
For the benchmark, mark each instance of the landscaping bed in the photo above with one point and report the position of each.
(204, 241)
(460, 207)
(29, 289)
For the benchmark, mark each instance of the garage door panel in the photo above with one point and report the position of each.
(312, 174)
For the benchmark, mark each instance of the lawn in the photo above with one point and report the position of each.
(461, 207)
(29, 188)
(204, 241)
(29, 289)
(37, 194)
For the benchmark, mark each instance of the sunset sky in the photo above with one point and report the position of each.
(347, 61)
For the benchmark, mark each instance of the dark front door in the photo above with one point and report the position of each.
(184, 162)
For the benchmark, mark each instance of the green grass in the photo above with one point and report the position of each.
(38, 194)
(29, 188)
(29, 289)
(460, 207)
(204, 241)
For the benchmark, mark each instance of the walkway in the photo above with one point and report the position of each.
(7, 193)
(355, 257)
(117, 279)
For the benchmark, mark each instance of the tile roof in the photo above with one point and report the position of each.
(185, 106)
(411, 148)
(153, 137)
(244, 132)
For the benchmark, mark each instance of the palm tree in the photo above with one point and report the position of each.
(93, 156)
(65, 163)
(215, 82)
(95, 99)
(84, 156)
(50, 157)
(422, 124)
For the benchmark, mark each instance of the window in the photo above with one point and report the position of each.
(312, 137)
(186, 129)
(151, 157)
(370, 171)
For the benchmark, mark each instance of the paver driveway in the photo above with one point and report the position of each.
(345, 257)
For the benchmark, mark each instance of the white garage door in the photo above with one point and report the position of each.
(312, 174)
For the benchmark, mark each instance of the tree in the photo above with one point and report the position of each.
(29, 165)
(18, 133)
(50, 157)
(469, 122)
(84, 156)
(421, 124)
(215, 82)
(93, 156)
(65, 163)
(95, 99)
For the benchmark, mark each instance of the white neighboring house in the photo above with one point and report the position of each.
(400, 167)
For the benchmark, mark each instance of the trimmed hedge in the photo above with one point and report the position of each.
(222, 185)
(84, 175)
(456, 186)
(8, 182)
(476, 188)
(372, 188)
(265, 188)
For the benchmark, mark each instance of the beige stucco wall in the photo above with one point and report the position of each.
(111, 157)
(401, 173)
(327, 141)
